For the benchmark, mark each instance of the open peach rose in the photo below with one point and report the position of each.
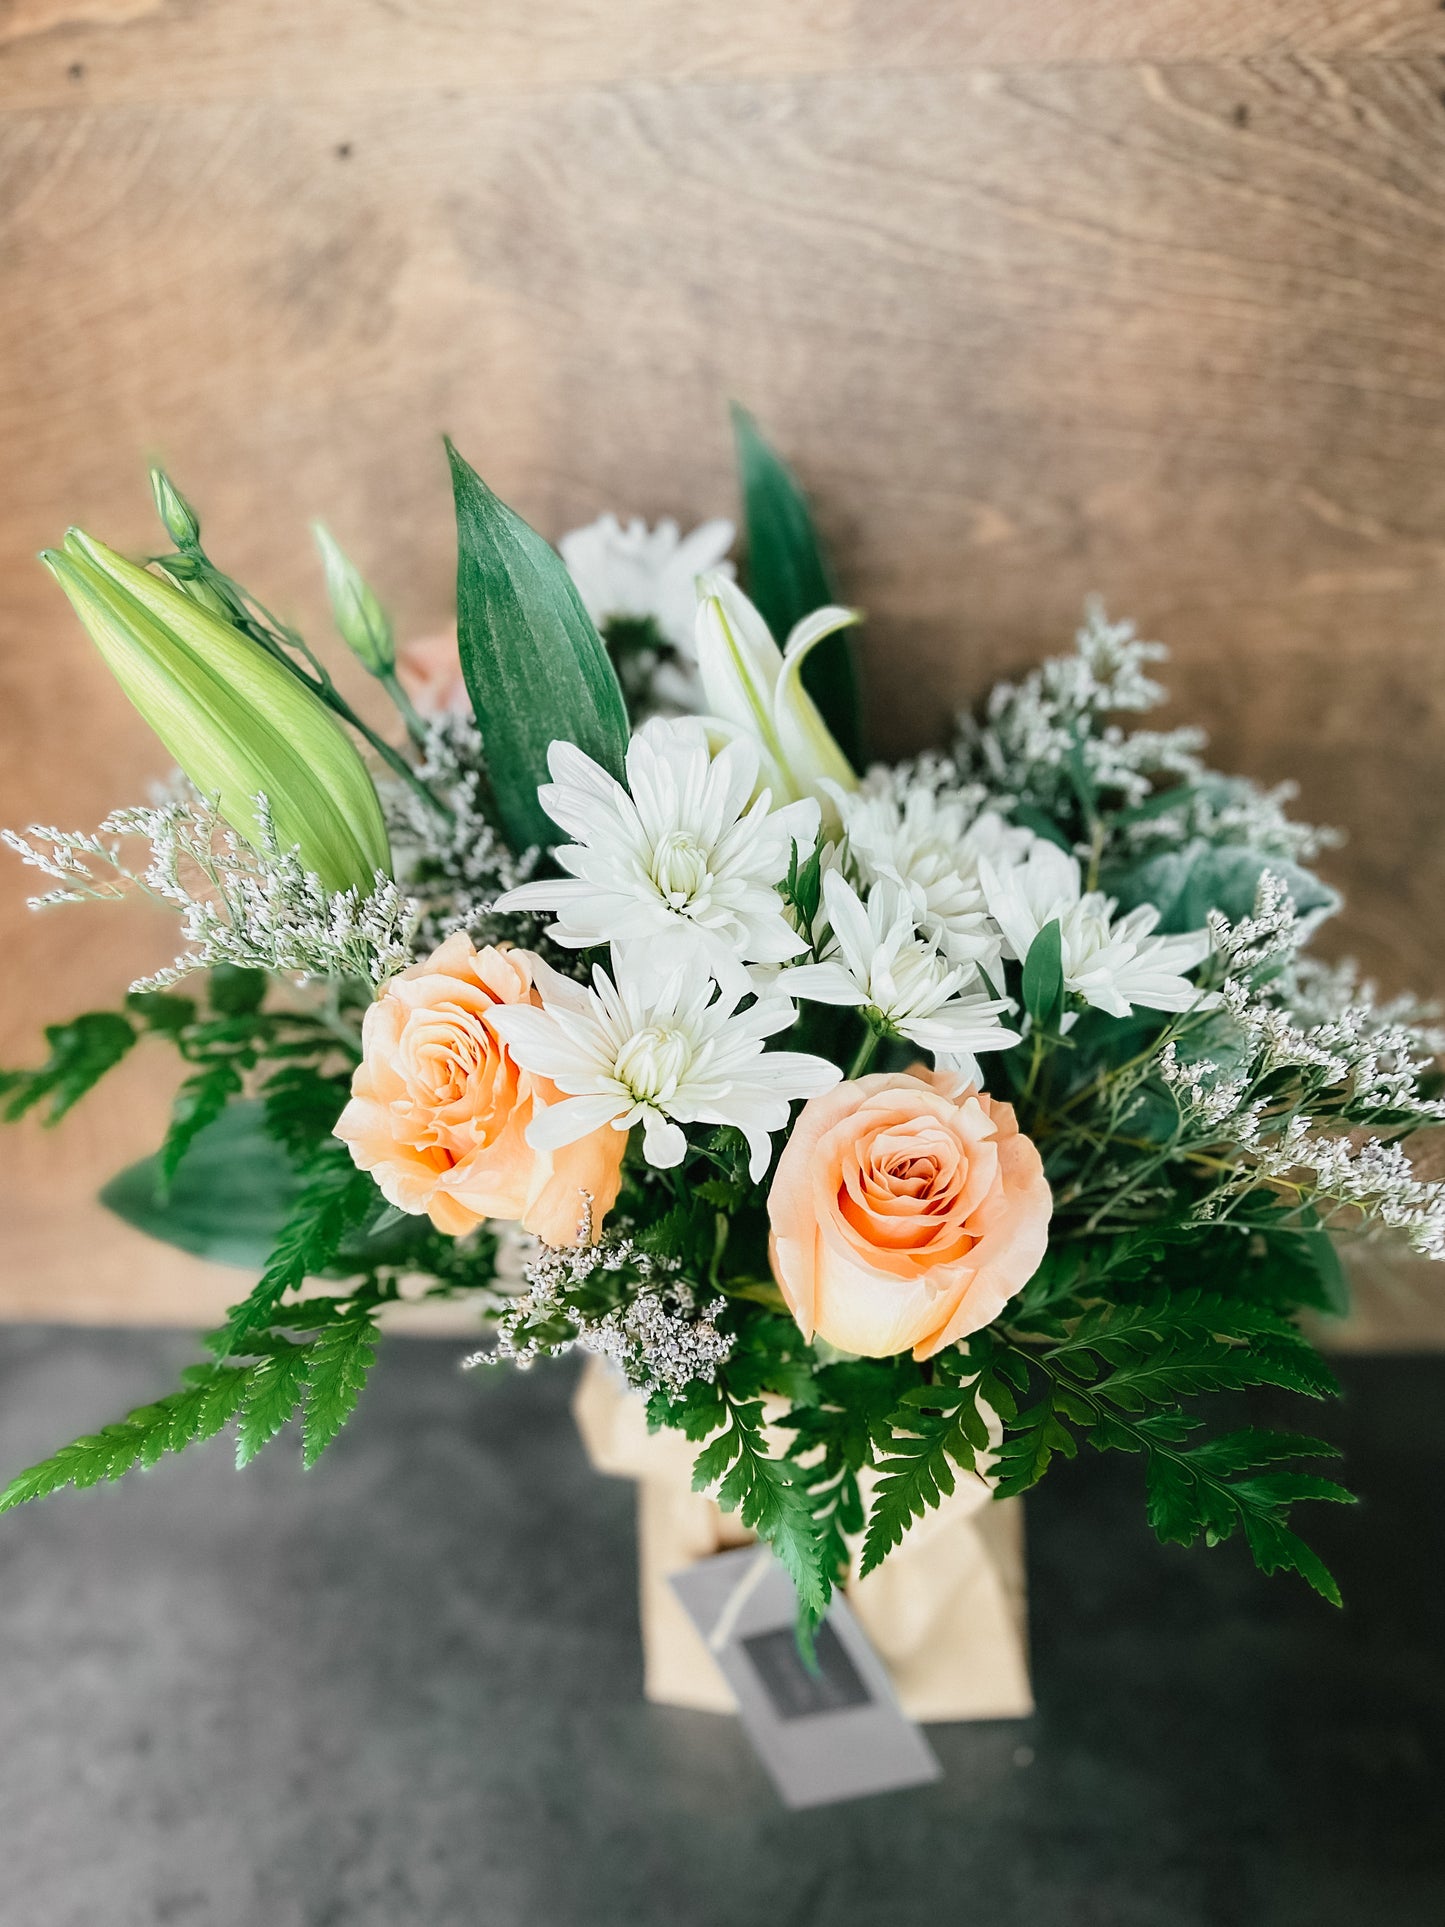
(907, 1209)
(439, 1110)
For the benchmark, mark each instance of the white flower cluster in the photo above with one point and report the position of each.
(638, 586)
(1353, 1063)
(1228, 809)
(931, 892)
(453, 866)
(678, 873)
(1040, 735)
(1374, 1179)
(1290, 1013)
(256, 907)
(658, 1337)
(1049, 744)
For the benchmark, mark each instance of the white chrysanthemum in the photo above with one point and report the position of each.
(1112, 964)
(634, 573)
(660, 1051)
(930, 842)
(879, 961)
(683, 863)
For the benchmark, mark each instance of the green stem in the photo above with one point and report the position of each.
(865, 1053)
(406, 708)
(1035, 1061)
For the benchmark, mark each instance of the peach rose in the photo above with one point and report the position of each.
(429, 669)
(907, 1209)
(439, 1111)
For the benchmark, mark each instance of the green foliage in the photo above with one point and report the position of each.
(802, 890)
(335, 1199)
(322, 1373)
(768, 1494)
(935, 1428)
(161, 1011)
(534, 665)
(837, 1434)
(228, 1200)
(1117, 1377)
(210, 1397)
(1186, 884)
(81, 1052)
(300, 1106)
(273, 1391)
(234, 991)
(789, 577)
(197, 1104)
(1043, 978)
(341, 1357)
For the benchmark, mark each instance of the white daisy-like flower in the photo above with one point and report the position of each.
(683, 862)
(878, 960)
(929, 842)
(1113, 964)
(634, 573)
(638, 1047)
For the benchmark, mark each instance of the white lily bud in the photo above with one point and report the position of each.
(754, 688)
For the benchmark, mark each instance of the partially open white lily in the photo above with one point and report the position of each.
(755, 689)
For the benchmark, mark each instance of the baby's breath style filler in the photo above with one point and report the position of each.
(883, 1126)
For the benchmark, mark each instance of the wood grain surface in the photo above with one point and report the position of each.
(1138, 298)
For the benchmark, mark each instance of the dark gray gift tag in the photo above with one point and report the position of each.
(836, 1734)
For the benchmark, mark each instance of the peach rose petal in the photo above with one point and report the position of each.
(439, 1108)
(906, 1210)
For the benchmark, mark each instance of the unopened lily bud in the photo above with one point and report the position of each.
(179, 519)
(238, 722)
(354, 608)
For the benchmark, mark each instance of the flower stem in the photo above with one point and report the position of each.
(864, 1055)
(406, 708)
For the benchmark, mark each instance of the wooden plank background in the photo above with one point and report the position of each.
(1063, 296)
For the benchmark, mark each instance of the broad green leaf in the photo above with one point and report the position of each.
(789, 577)
(1188, 883)
(535, 667)
(1043, 981)
(229, 1198)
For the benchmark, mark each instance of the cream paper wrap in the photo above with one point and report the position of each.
(946, 1611)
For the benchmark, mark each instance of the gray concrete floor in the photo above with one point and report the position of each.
(404, 1688)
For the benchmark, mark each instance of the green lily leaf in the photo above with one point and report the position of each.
(535, 667)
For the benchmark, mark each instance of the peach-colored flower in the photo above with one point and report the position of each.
(429, 669)
(907, 1209)
(439, 1110)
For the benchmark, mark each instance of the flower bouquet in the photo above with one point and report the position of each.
(888, 1128)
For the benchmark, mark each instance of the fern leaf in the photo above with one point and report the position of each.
(197, 1412)
(340, 1360)
(272, 1395)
